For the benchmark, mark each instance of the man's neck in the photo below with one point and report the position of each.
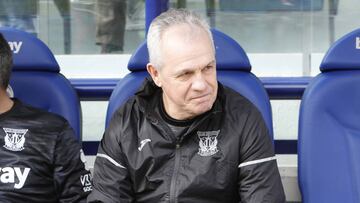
(5, 102)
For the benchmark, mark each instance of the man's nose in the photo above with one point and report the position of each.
(199, 82)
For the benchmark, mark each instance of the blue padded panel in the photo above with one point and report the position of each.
(245, 83)
(250, 87)
(344, 54)
(48, 91)
(139, 59)
(229, 55)
(329, 139)
(270, 5)
(33, 53)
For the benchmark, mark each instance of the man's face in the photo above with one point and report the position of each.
(188, 73)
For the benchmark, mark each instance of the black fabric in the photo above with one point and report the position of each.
(178, 127)
(40, 158)
(139, 159)
(170, 120)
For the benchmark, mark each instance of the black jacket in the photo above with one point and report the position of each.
(40, 158)
(225, 156)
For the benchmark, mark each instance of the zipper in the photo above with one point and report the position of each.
(173, 189)
(175, 174)
(167, 131)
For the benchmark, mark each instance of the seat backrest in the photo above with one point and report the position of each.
(270, 5)
(329, 127)
(36, 78)
(233, 70)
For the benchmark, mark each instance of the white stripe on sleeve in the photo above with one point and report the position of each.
(257, 161)
(111, 160)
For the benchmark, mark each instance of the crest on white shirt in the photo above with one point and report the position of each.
(14, 139)
(208, 142)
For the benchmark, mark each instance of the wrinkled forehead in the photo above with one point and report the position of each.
(184, 43)
(195, 54)
(185, 33)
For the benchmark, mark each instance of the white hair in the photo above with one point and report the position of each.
(166, 20)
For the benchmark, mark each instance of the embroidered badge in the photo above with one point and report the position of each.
(14, 139)
(208, 142)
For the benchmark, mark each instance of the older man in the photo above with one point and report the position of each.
(41, 160)
(184, 137)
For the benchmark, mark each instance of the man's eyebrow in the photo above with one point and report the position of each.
(192, 69)
(211, 63)
(184, 71)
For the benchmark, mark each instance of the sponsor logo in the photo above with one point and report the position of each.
(208, 142)
(14, 175)
(357, 45)
(14, 139)
(142, 144)
(86, 182)
(15, 46)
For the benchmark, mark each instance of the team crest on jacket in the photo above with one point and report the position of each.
(14, 139)
(207, 142)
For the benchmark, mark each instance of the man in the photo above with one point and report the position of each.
(19, 14)
(110, 25)
(41, 161)
(184, 137)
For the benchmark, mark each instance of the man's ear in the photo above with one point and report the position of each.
(154, 73)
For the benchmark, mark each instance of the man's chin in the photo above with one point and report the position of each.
(202, 108)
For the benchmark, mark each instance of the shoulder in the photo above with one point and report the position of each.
(234, 102)
(129, 108)
(123, 118)
(37, 117)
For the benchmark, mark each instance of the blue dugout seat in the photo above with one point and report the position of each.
(270, 5)
(233, 70)
(36, 78)
(329, 127)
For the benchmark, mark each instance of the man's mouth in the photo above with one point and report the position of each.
(201, 98)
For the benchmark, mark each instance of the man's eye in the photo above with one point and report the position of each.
(184, 74)
(208, 68)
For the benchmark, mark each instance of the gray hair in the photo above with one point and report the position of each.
(166, 20)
